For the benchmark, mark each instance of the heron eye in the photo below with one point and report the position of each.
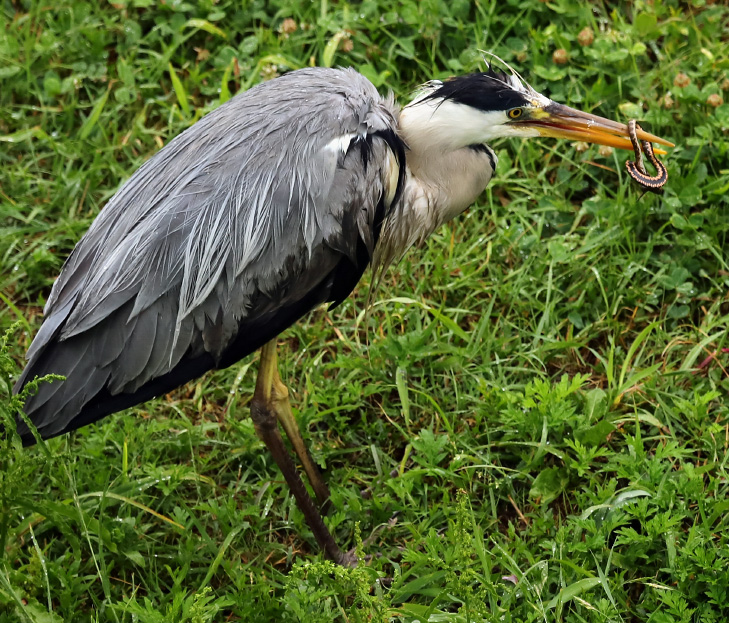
(515, 113)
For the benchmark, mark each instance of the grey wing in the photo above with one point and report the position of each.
(263, 209)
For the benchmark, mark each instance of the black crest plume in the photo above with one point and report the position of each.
(485, 90)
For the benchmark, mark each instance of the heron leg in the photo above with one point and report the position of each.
(282, 408)
(264, 412)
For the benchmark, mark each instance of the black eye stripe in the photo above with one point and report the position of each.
(487, 91)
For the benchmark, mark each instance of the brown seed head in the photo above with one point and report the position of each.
(288, 26)
(714, 100)
(586, 36)
(681, 80)
(560, 56)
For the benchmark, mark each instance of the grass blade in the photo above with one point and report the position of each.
(179, 91)
(93, 118)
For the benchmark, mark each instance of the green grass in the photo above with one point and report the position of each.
(537, 402)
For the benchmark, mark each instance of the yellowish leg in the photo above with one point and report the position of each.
(266, 407)
(279, 401)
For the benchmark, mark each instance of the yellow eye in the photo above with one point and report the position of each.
(515, 113)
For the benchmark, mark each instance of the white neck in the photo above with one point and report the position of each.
(445, 174)
(440, 135)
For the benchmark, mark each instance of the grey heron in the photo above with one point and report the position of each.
(272, 204)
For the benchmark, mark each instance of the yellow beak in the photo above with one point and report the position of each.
(560, 121)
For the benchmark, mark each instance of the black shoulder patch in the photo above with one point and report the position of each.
(365, 148)
(397, 146)
(480, 147)
(485, 149)
(487, 90)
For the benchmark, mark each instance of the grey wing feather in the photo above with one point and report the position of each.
(241, 214)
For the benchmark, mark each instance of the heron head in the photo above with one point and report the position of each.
(479, 107)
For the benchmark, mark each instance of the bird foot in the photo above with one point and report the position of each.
(351, 560)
